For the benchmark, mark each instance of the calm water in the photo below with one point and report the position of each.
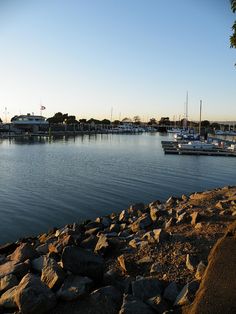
(45, 184)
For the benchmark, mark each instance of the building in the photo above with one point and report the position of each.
(29, 123)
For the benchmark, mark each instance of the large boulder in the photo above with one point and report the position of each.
(52, 274)
(171, 292)
(23, 252)
(106, 300)
(33, 296)
(13, 267)
(141, 223)
(82, 262)
(8, 282)
(8, 248)
(7, 299)
(74, 287)
(132, 305)
(217, 290)
(146, 288)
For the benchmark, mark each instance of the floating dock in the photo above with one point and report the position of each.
(171, 147)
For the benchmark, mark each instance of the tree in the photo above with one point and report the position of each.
(205, 123)
(0, 120)
(71, 120)
(152, 121)
(137, 120)
(58, 118)
(215, 126)
(94, 121)
(126, 120)
(116, 122)
(105, 121)
(233, 36)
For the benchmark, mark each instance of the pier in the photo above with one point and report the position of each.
(171, 148)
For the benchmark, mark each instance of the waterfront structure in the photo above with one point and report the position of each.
(29, 123)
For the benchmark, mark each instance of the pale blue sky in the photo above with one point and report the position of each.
(137, 56)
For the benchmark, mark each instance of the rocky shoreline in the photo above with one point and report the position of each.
(146, 259)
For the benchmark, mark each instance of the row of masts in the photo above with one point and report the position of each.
(186, 113)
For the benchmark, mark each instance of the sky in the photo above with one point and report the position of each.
(117, 58)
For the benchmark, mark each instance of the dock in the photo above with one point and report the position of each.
(171, 148)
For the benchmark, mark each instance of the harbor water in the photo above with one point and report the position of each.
(46, 183)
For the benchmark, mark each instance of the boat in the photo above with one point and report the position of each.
(29, 120)
(196, 145)
(174, 130)
(186, 135)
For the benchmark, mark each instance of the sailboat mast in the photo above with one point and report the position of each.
(186, 113)
(200, 120)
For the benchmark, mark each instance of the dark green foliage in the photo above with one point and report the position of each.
(60, 118)
(116, 122)
(205, 123)
(233, 37)
(105, 121)
(215, 126)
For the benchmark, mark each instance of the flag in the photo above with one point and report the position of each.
(42, 108)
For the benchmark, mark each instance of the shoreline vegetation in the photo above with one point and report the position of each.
(146, 259)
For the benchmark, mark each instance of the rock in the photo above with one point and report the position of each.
(74, 287)
(132, 305)
(7, 299)
(33, 296)
(144, 260)
(102, 244)
(52, 274)
(200, 271)
(12, 267)
(122, 263)
(89, 243)
(82, 262)
(182, 218)
(171, 292)
(141, 223)
(8, 248)
(154, 213)
(105, 221)
(186, 295)
(195, 218)
(114, 228)
(124, 216)
(146, 288)
(37, 263)
(158, 304)
(156, 235)
(8, 282)
(154, 204)
(169, 223)
(91, 231)
(42, 249)
(172, 201)
(155, 269)
(106, 300)
(136, 209)
(23, 252)
(191, 262)
(108, 296)
(198, 226)
(134, 243)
